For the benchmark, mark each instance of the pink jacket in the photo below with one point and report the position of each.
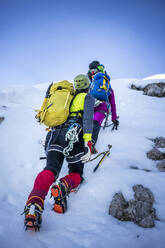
(99, 116)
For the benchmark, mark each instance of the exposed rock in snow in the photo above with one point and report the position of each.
(161, 166)
(143, 194)
(1, 119)
(155, 154)
(153, 89)
(134, 167)
(140, 210)
(3, 107)
(117, 207)
(159, 142)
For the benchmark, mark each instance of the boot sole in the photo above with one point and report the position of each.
(31, 223)
(58, 208)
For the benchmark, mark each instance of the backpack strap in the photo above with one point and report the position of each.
(75, 119)
(75, 112)
(105, 78)
(48, 91)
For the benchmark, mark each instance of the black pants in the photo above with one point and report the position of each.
(55, 143)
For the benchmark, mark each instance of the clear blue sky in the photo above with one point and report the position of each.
(44, 41)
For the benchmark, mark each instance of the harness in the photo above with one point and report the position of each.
(72, 136)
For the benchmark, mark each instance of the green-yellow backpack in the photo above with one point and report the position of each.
(55, 108)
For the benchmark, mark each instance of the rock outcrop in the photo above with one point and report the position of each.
(157, 154)
(140, 210)
(153, 89)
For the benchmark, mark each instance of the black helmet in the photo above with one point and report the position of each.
(94, 64)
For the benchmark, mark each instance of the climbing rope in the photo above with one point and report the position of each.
(71, 136)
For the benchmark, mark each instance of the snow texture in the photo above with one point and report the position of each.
(87, 223)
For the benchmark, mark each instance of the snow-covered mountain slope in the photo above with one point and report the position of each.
(86, 223)
(157, 76)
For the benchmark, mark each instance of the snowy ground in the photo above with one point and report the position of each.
(86, 223)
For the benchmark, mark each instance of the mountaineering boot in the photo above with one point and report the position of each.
(33, 216)
(60, 192)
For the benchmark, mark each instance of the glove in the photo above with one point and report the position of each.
(115, 125)
(87, 151)
(97, 102)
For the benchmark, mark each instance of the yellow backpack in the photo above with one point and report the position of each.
(55, 108)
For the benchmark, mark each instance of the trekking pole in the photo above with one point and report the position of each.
(107, 115)
(107, 125)
(106, 153)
